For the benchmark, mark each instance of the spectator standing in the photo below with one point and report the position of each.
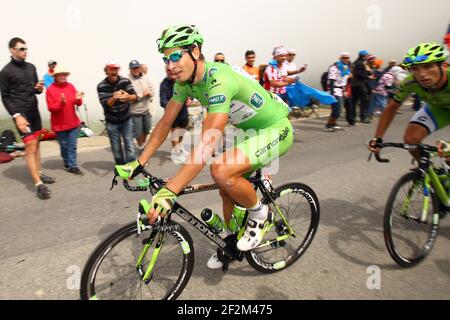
(48, 77)
(359, 84)
(142, 109)
(182, 120)
(19, 86)
(276, 74)
(62, 100)
(219, 57)
(381, 92)
(392, 63)
(291, 65)
(338, 76)
(116, 93)
(249, 66)
(376, 73)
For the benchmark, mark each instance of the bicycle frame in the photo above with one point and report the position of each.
(430, 180)
(207, 231)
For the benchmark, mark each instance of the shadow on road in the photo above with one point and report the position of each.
(53, 164)
(162, 156)
(444, 266)
(359, 225)
(20, 174)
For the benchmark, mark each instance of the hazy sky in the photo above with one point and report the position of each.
(82, 34)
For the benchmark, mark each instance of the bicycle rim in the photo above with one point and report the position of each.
(300, 207)
(407, 239)
(112, 273)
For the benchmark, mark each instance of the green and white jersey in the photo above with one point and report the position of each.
(439, 99)
(231, 90)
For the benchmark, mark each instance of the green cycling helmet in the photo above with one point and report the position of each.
(179, 36)
(425, 53)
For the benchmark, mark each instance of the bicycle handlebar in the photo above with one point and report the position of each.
(404, 146)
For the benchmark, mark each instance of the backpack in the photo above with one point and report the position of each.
(7, 138)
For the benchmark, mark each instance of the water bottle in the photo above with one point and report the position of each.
(213, 220)
(237, 219)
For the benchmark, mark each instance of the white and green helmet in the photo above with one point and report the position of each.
(179, 36)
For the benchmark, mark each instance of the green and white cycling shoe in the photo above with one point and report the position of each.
(254, 232)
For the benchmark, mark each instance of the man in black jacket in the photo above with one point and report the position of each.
(19, 85)
(359, 83)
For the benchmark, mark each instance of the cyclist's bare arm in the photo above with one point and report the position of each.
(385, 120)
(161, 131)
(214, 127)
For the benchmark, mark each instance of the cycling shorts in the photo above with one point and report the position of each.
(262, 146)
(432, 118)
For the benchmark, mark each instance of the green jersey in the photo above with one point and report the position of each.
(439, 99)
(228, 89)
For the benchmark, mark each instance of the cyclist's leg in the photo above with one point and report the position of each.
(228, 205)
(228, 171)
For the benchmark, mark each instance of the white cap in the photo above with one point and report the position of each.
(280, 50)
(291, 51)
(112, 63)
(345, 54)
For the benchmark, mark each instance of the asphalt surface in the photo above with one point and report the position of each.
(45, 244)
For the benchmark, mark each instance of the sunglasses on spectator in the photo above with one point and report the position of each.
(22, 49)
(345, 57)
(291, 54)
(174, 56)
(221, 61)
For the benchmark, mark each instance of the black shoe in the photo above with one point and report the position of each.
(46, 179)
(76, 171)
(43, 192)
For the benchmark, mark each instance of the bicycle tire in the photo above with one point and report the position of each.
(89, 274)
(254, 257)
(390, 242)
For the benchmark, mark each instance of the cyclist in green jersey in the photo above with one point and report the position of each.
(231, 96)
(429, 79)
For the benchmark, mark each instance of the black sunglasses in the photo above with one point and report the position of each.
(22, 49)
(221, 61)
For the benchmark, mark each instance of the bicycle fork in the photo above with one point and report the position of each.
(149, 272)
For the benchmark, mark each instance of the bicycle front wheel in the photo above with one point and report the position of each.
(116, 268)
(300, 208)
(407, 238)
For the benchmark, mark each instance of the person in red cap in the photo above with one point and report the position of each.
(116, 94)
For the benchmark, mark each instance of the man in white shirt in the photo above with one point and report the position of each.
(291, 66)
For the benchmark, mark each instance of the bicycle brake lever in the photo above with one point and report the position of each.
(114, 182)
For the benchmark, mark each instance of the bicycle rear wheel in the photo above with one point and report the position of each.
(300, 207)
(112, 271)
(407, 239)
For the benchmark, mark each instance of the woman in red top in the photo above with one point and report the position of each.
(62, 99)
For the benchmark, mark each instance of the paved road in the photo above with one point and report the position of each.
(45, 243)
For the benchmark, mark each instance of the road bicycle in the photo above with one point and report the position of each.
(415, 205)
(142, 261)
